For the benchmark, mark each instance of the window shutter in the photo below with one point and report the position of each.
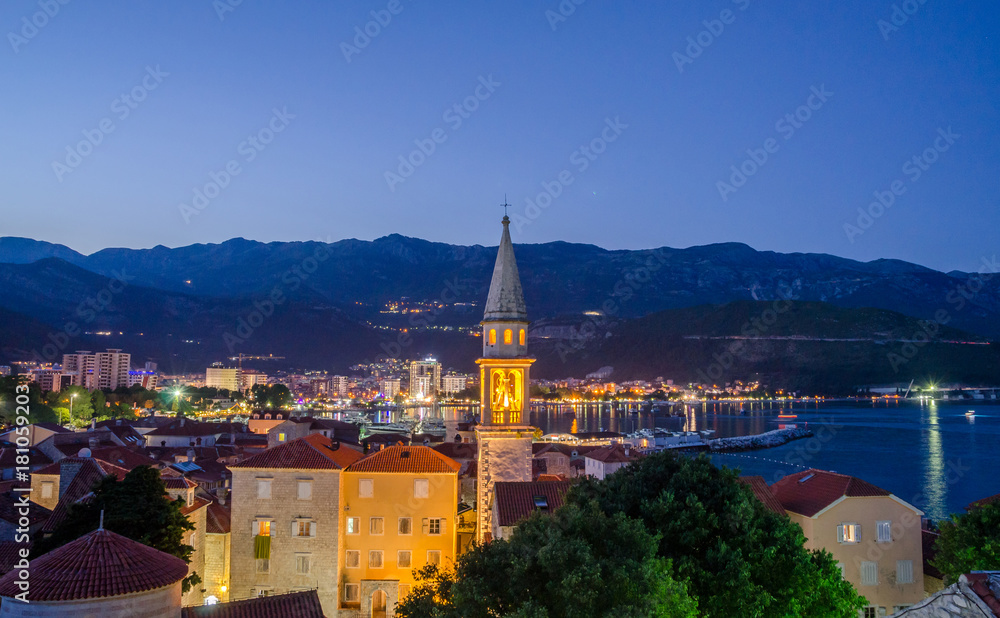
(444, 525)
(425, 525)
(256, 528)
(295, 528)
(857, 533)
(840, 533)
(312, 528)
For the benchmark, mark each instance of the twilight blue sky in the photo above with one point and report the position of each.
(323, 175)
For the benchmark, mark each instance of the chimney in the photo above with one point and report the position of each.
(223, 495)
(93, 423)
(93, 442)
(182, 421)
(191, 454)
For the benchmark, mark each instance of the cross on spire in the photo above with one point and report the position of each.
(505, 205)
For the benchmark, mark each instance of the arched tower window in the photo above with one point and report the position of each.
(521, 337)
(493, 336)
(508, 337)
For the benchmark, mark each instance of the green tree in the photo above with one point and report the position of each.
(969, 542)
(739, 558)
(136, 507)
(575, 563)
(72, 404)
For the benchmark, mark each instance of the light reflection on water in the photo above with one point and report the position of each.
(929, 454)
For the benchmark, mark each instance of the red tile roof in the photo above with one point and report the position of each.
(196, 504)
(218, 518)
(49, 469)
(515, 501)
(96, 565)
(191, 428)
(10, 554)
(457, 450)
(614, 453)
(298, 604)
(123, 457)
(407, 460)
(178, 482)
(978, 504)
(313, 452)
(811, 491)
(759, 487)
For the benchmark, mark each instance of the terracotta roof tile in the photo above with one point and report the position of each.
(196, 504)
(614, 453)
(96, 565)
(406, 460)
(10, 509)
(811, 491)
(515, 501)
(123, 457)
(298, 604)
(313, 452)
(978, 504)
(218, 518)
(759, 487)
(10, 554)
(188, 427)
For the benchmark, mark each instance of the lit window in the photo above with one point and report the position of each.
(264, 489)
(366, 488)
(405, 525)
(508, 337)
(263, 527)
(434, 557)
(904, 571)
(869, 574)
(353, 525)
(403, 559)
(521, 337)
(302, 564)
(305, 490)
(376, 525)
(849, 533)
(352, 559)
(352, 593)
(884, 529)
(375, 559)
(281, 437)
(47, 489)
(493, 336)
(421, 488)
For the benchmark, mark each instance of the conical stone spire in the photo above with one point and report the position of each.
(506, 299)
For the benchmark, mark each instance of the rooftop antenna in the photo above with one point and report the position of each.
(505, 204)
(100, 526)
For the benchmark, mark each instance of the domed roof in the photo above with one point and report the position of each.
(96, 565)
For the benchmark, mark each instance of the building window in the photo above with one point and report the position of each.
(375, 559)
(267, 417)
(873, 611)
(849, 533)
(366, 488)
(521, 337)
(264, 592)
(405, 525)
(47, 489)
(302, 564)
(305, 490)
(303, 528)
(264, 489)
(433, 525)
(434, 557)
(493, 336)
(869, 574)
(263, 565)
(352, 593)
(281, 437)
(421, 488)
(403, 559)
(508, 337)
(884, 529)
(352, 559)
(353, 525)
(376, 525)
(904, 571)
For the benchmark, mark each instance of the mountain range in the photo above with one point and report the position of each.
(329, 305)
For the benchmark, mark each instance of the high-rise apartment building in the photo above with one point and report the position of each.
(429, 369)
(223, 378)
(104, 370)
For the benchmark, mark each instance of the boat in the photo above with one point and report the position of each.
(970, 414)
(788, 416)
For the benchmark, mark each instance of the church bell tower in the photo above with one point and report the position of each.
(503, 435)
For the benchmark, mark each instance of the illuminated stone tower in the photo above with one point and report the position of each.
(503, 434)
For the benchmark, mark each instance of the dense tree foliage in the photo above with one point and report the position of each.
(137, 507)
(576, 563)
(738, 558)
(969, 542)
